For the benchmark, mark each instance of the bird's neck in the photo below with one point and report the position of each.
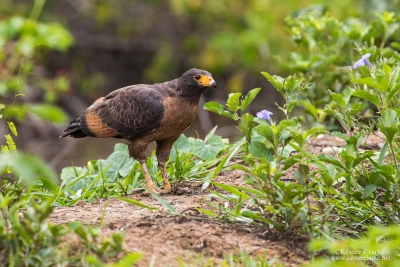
(191, 95)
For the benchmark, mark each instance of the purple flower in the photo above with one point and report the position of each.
(264, 114)
(363, 61)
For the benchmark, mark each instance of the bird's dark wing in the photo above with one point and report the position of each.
(126, 113)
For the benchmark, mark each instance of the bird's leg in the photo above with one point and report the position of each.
(149, 182)
(167, 185)
(163, 150)
(137, 150)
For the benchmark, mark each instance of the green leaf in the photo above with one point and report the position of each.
(276, 81)
(292, 104)
(12, 128)
(135, 202)
(292, 84)
(233, 101)
(207, 212)
(12, 147)
(290, 161)
(246, 125)
(232, 190)
(287, 150)
(128, 260)
(389, 118)
(302, 173)
(70, 173)
(162, 201)
(339, 99)
(314, 131)
(310, 108)
(266, 131)
(48, 184)
(27, 167)
(284, 136)
(389, 124)
(382, 154)
(369, 189)
(1, 107)
(181, 145)
(208, 150)
(121, 165)
(395, 45)
(256, 192)
(367, 81)
(387, 70)
(249, 98)
(331, 159)
(368, 96)
(340, 135)
(49, 113)
(259, 150)
(329, 175)
(219, 109)
(211, 133)
(121, 147)
(389, 132)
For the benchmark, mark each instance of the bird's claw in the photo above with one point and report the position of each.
(167, 187)
(158, 191)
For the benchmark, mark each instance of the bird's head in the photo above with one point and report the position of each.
(194, 81)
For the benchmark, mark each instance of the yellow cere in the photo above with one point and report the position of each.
(206, 80)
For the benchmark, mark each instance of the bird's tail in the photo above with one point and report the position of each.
(74, 130)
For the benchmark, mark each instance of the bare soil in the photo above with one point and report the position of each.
(163, 239)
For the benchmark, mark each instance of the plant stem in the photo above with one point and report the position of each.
(394, 155)
(271, 189)
(37, 9)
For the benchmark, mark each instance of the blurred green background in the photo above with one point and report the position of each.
(62, 55)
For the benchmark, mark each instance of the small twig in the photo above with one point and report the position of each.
(240, 246)
(284, 234)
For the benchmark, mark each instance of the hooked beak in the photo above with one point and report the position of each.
(208, 81)
(214, 84)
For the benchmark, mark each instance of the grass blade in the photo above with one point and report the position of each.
(163, 202)
(135, 202)
(232, 190)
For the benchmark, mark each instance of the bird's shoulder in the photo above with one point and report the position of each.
(140, 92)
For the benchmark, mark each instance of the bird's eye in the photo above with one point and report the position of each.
(197, 77)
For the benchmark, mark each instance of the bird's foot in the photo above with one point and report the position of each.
(158, 191)
(167, 187)
(153, 189)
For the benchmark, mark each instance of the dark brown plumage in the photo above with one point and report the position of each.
(144, 113)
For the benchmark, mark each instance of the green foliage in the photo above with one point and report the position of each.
(233, 104)
(119, 174)
(325, 44)
(355, 186)
(27, 239)
(240, 36)
(379, 247)
(27, 193)
(22, 42)
(330, 196)
(208, 149)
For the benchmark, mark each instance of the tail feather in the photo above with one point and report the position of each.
(74, 130)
